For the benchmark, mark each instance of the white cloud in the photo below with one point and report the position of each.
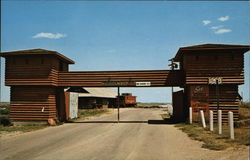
(223, 18)
(49, 35)
(222, 30)
(216, 27)
(206, 22)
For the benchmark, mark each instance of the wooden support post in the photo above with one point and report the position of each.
(219, 122)
(211, 120)
(190, 115)
(231, 124)
(203, 119)
(118, 106)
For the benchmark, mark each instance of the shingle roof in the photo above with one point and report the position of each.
(99, 92)
(37, 52)
(202, 47)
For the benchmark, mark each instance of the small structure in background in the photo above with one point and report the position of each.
(97, 98)
(71, 102)
(127, 100)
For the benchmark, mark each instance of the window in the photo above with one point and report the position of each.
(232, 57)
(61, 66)
(42, 61)
(197, 58)
(14, 61)
(215, 57)
(26, 61)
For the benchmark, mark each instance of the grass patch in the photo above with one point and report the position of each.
(214, 141)
(22, 128)
(245, 105)
(210, 140)
(165, 116)
(149, 105)
(85, 113)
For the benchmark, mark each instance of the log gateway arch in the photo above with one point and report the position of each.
(38, 77)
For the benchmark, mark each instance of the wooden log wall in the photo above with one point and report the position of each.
(158, 78)
(29, 71)
(228, 66)
(228, 100)
(22, 75)
(32, 103)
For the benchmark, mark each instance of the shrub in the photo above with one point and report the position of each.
(4, 120)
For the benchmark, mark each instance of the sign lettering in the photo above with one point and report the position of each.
(142, 84)
(212, 80)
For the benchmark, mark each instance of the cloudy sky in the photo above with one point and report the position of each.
(123, 35)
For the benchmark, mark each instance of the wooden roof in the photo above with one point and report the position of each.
(207, 47)
(37, 52)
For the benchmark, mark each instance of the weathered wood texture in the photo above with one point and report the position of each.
(206, 100)
(202, 62)
(228, 101)
(199, 67)
(32, 103)
(158, 78)
(33, 70)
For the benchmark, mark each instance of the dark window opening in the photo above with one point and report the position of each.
(26, 61)
(60, 66)
(14, 61)
(196, 58)
(215, 57)
(42, 61)
(232, 57)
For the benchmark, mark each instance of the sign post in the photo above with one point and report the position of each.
(118, 106)
(216, 81)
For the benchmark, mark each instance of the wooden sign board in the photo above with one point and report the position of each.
(143, 84)
(199, 95)
(214, 80)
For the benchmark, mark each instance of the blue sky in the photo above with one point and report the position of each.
(123, 35)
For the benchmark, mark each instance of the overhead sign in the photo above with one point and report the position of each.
(142, 84)
(116, 83)
(212, 80)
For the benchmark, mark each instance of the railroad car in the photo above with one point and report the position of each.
(127, 100)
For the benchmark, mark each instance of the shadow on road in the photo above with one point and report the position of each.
(149, 122)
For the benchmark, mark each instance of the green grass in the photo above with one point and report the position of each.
(85, 113)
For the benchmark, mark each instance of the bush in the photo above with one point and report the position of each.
(4, 114)
(4, 120)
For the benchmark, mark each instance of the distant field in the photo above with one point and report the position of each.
(150, 105)
(4, 104)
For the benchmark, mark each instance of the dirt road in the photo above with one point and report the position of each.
(102, 139)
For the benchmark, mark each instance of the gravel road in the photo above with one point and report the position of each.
(101, 138)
